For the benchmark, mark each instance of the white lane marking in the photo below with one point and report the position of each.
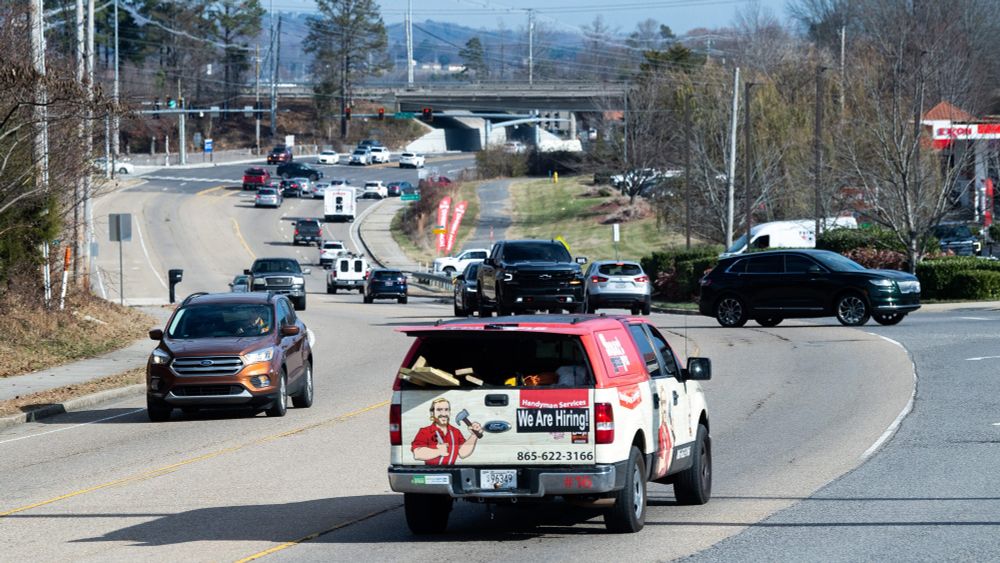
(185, 179)
(996, 424)
(899, 419)
(71, 427)
(981, 358)
(356, 225)
(148, 260)
(974, 318)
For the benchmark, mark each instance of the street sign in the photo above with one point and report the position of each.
(120, 227)
(439, 230)
(404, 115)
(208, 145)
(409, 197)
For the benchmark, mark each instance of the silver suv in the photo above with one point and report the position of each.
(617, 283)
(361, 156)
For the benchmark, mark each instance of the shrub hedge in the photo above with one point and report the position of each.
(675, 273)
(845, 240)
(950, 277)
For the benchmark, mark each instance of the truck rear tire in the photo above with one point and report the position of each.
(628, 515)
(427, 514)
(694, 485)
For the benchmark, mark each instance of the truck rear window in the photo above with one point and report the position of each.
(508, 359)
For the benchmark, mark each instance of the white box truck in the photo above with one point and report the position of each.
(799, 233)
(339, 204)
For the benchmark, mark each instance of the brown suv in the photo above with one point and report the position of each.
(224, 350)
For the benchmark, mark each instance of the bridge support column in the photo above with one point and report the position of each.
(488, 128)
(572, 125)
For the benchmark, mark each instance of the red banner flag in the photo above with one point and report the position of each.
(442, 221)
(988, 212)
(456, 220)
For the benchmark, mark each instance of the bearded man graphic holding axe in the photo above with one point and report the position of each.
(440, 443)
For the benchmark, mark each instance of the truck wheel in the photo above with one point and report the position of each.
(628, 515)
(361, 290)
(367, 299)
(460, 312)
(448, 270)
(158, 411)
(300, 303)
(401, 300)
(304, 398)
(280, 405)
(731, 312)
(331, 289)
(694, 485)
(647, 308)
(427, 514)
(483, 310)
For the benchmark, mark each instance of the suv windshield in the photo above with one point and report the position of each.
(952, 231)
(276, 266)
(620, 269)
(390, 275)
(536, 252)
(222, 320)
(837, 262)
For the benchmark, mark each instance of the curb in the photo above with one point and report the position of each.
(79, 403)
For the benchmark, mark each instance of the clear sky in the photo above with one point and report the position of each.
(566, 15)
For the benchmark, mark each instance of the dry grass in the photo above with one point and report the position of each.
(36, 338)
(42, 399)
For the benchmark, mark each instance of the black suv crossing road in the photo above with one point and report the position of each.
(522, 275)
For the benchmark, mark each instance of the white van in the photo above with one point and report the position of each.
(800, 233)
(339, 204)
(347, 273)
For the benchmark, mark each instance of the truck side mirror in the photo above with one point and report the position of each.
(246, 272)
(156, 334)
(698, 369)
(581, 259)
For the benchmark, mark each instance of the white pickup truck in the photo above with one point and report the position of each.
(449, 265)
(582, 407)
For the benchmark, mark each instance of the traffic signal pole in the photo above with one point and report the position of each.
(182, 141)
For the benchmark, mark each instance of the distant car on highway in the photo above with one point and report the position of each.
(466, 291)
(268, 197)
(779, 284)
(279, 154)
(255, 177)
(374, 189)
(308, 231)
(119, 166)
(448, 265)
(329, 157)
(411, 160)
(394, 189)
(240, 284)
(384, 283)
(298, 170)
(380, 155)
(329, 251)
(291, 188)
(361, 157)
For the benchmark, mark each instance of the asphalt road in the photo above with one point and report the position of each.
(796, 411)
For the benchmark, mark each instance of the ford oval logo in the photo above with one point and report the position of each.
(496, 426)
(207, 363)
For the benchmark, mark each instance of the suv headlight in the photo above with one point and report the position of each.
(159, 358)
(262, 355)
(298, 281)
(881, 282)
(508, 276)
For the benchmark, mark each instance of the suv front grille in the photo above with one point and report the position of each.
(281, 282)
(544, 279)
(206, 390)
(208, 366)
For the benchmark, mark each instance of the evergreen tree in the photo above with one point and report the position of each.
(348, 42)
(474, 57)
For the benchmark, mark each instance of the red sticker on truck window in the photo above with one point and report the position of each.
(554, 398)
(629, 396)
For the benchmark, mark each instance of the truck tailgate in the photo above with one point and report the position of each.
(520, 426)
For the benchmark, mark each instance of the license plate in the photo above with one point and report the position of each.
(498, 479)
(621, 285)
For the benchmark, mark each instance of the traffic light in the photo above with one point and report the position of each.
(381, 114)
(171, 103)
(347, 114)
(428, 114)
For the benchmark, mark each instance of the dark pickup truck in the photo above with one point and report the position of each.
(522, 275)
(279, 275)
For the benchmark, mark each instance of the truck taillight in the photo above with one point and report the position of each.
(395, 426)
(642, 279)
(604, 423)
(296, 231)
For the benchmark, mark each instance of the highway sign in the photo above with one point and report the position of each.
(208, 145)
(404, 115)
(409, 197)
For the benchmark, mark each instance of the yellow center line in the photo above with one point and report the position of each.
(175, 466)
(239, 235)
(210, 190)
(315, 535)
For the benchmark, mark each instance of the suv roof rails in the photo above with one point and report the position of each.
(192, 296)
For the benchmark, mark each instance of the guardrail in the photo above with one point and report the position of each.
(434, 280)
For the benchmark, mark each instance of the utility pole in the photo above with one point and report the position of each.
(275, 43)
(409, 44)
(531, 47)
(843, 72)
(747, 159)
(88, 157)
(40, 149)
(818, 151)
(687, 172)
(256, 103)
(625, 134)
(115, 122)
(918, 110)
(80, 185)
(181, 132)
(343, 94)
(731, 189)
